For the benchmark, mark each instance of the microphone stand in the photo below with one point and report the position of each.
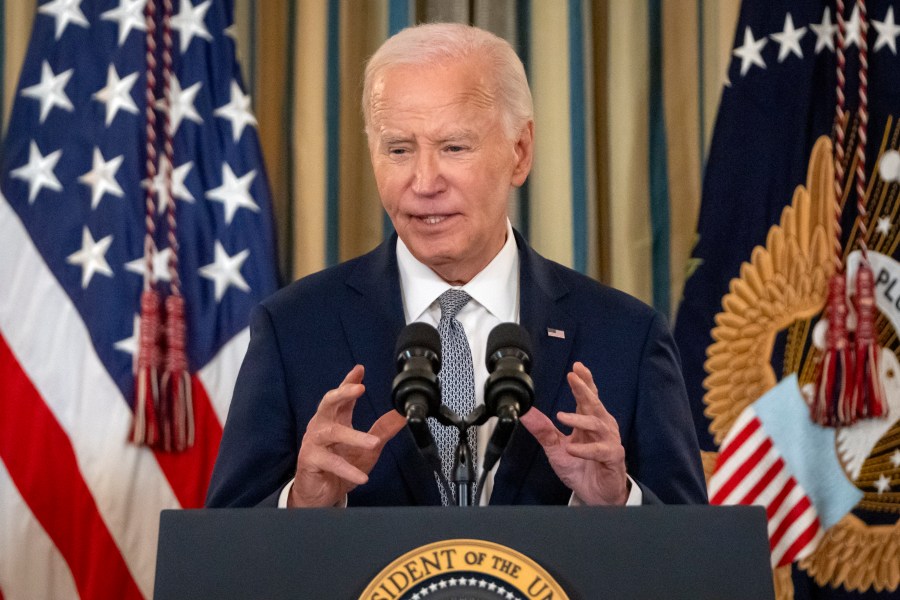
(463, 471)
(463, 465)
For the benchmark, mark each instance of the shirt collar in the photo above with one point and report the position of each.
(496, 287)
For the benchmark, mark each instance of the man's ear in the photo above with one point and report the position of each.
(524, 150)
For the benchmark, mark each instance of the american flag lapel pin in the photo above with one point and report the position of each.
(556, 333)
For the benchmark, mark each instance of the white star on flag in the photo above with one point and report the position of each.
(102, 177)
(182, 104)
(883, 484)
(189, 22)
(65, 12)
(824, 32)
(895, 458)
(883, 226)
(789, 39)
(234, 193)
(887, 32)
(749, 53)
(852, 37)
(130, 345)
(237, 111)
(117, 94)
(50, 91)
(91, 257)
(160, 265)
(225, 271)
(38, 171)
(179, 189)
(130, 15)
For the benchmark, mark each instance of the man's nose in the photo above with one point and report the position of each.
(428, 178)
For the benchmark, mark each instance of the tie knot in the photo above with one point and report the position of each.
(452, 302)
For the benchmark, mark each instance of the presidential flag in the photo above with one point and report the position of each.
(752, 308)
(80, 503)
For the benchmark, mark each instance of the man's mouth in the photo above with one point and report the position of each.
(433, 219)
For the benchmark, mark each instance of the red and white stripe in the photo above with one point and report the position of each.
(750, 470)
(21, 534)
(73, 492)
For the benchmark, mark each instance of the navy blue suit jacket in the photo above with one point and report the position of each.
(306, 337)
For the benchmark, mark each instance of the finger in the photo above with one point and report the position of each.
(325, 461)
(586, 400)
(355, 375)
(585, 374)
(334, 433)
(541, 427)
(586, 428)
(601, 452)
(343, 398)
(582, 422)
(337, 404)
(387, 426)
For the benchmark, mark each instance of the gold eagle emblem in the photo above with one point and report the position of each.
(776, 299)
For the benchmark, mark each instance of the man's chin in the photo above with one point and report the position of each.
(436, 261)
(448, 265)
(431, 248)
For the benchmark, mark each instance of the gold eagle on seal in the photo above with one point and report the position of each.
(777, 298)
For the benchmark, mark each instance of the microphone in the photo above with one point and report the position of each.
(416, 392)
(509, 390)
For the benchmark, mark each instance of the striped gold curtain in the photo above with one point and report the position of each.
(620, 86)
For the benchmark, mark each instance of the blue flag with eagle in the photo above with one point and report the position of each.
(751, 310)
(79, 503)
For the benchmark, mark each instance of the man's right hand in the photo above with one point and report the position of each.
(334, 458)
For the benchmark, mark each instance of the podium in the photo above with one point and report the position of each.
(592, 553)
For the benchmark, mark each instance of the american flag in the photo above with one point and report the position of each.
(79, 505)
(774, 456)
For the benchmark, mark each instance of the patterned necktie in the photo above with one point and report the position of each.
(457, 377)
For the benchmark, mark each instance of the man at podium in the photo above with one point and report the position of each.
(450, 126)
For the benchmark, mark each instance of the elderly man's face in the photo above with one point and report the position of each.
(444, 164)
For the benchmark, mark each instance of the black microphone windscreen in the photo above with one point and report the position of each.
(418, 335)
(507, 335)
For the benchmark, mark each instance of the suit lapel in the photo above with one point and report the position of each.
(540, 292)
(372, 320)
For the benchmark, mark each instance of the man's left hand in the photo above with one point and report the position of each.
(591, 460)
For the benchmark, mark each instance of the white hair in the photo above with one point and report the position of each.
(435, 43)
